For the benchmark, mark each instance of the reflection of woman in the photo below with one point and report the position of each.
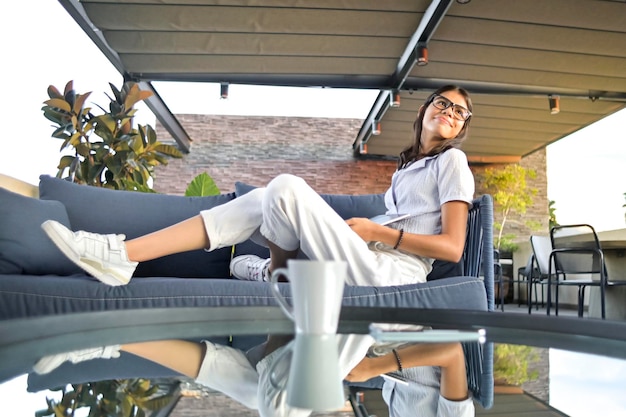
(434, 380)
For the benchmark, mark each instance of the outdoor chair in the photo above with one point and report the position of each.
(577, 251)
(524, 273)
(537, 269)
(477, 261)
(498, 279)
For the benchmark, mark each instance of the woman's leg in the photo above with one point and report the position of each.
(181, 237)
(220, 226)
(279, 256)
(112, 260)
(218, 367)
(296, 217)
(182, 356)
(221, 368)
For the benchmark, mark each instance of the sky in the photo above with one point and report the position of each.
(43, 46)
(594, 387)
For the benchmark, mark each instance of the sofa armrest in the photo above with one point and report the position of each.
(19, 186)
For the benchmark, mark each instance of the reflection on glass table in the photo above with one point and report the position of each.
(24, 346)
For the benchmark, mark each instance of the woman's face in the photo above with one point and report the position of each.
(441, 122)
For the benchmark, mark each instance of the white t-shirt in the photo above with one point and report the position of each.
(425, 185)
(423, 398)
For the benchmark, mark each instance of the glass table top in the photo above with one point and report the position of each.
(576, 367)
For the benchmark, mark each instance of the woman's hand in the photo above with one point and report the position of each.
(365, 228)
(371, 231)
(364, 370)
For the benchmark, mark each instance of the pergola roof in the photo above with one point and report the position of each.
(510, 54)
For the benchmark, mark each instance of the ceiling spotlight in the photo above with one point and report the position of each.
(224, 90)
(422, 55)
(395, 98)
(463, 1)
(555, 107)
(376, 128)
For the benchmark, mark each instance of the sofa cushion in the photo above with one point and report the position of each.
(28, 296)
(24, 247)
(135, 214)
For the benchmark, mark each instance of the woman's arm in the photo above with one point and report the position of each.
(447, 246)
(448, 356)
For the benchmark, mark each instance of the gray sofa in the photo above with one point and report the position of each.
(36, 279)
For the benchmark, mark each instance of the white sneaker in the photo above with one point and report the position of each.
(250, 268)
(102, 256)
(49, 363)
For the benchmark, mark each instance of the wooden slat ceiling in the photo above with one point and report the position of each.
(510, 54)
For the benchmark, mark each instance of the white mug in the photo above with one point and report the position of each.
(316, 290)
(314, 379)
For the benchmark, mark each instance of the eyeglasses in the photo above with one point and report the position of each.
(458, 112)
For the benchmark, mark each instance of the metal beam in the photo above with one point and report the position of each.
(77, 11)
(373, 82)
(430, 21)
(154, 103)
(166, 117)
(427, 26)
(357, 81)
(381, 104)
(416, 83)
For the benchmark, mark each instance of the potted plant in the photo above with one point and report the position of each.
(107, 150)
(121, 398)
(514, 365)
(512, 196)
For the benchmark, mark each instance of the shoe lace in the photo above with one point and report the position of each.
(258, 270)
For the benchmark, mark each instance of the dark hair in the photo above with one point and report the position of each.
(413, 152)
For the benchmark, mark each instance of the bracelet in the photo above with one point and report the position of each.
(395, 353)
(399, 239)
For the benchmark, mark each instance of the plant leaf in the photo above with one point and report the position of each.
(202, 185)
(68, 87)
(59, 103)
(169, 150)
(53, 92)
(80, 102)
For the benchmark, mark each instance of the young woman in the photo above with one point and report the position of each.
(433, 184)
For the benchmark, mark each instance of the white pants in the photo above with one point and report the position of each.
(227, 370)
(293, 216)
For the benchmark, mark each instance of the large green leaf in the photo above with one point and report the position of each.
(202, 185)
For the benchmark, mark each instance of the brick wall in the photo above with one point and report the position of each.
(256, 149)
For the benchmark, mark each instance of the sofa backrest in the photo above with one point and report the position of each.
(134, 214)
